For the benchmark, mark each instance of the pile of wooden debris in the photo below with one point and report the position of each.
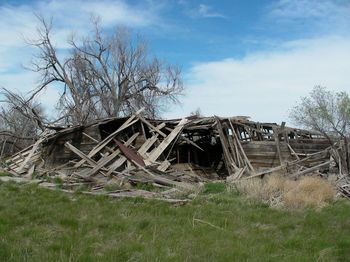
(179, 153)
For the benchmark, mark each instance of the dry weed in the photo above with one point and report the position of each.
(279, 190)
(310, 191)
(253, 187)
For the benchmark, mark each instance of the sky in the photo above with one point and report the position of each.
(253, 58)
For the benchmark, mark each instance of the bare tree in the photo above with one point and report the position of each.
(326, 112)
(20, 122)
(197, 112)
(105, 75)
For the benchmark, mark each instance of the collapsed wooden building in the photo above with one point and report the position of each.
(177, 152)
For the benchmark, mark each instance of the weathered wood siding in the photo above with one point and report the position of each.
(57, 154)
(263, 154)
(309, 146)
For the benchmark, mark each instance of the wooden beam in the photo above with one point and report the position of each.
(164, 165)
(108, 139)
(293, 152)
(165, 181)
(277, 141)
(187, 140)
(32, 151)
(247, 161)
(165, 143)
(152, 127)
(81, 154)
(104, 161)
(311, 169)
(229, 163)
(147, 145)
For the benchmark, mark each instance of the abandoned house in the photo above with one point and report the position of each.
(176, 152)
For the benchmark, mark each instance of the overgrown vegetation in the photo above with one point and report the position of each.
(43, 225)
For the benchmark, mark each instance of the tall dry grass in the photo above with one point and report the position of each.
(280, 191)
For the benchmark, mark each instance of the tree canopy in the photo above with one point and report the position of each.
(324, 111)
(328, 113)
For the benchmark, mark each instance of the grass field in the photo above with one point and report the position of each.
(43, 225)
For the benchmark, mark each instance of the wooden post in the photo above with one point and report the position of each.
(277, 141)
(230, 165)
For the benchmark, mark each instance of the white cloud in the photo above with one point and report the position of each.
(18, 22)
(321, 16)
(264, 85)
(207, 12)
(200, 11)
(308, 8)
(119, 12)
(23, 82)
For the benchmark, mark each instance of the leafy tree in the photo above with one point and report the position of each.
(326, 112)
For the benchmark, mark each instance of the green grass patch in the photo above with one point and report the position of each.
(146, 186)
(214, 188)
(5, 174)
(112, 187)
(37, 224)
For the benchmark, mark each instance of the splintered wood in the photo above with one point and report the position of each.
(177, 153)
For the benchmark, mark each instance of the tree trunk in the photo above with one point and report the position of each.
(347, 154)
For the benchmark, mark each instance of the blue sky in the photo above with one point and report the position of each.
(252, 57)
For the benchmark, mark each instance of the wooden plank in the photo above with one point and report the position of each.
(166, 142)
(317, 155)
(104, 161)
(241, 148)
(229, 163)
(18, 162)
(147, 145)
(277, 141)
(232, 147)
(311, 169)
(32, 151)
(19, 154)
(110, 150)
(165, 181)
(293, 152)
(237, 152)
(108, 139)
(3, 148)
(90, 137)
(187, 140)
(152, 127)
(80, 154)
(271, 170)
(159, 127)
(120, 161)
(164, 165)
